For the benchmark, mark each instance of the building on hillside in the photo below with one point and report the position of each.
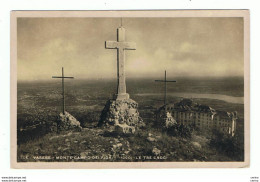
(187, 112)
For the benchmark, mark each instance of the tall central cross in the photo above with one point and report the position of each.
(165, 87)
(121, 46)
(63, 90)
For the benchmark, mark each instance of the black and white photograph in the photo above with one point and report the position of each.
(134, 89)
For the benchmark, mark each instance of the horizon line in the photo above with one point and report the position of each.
(138, 78)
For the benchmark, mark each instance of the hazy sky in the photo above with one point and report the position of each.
(183, 46)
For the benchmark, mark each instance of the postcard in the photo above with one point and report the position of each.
(130, 89)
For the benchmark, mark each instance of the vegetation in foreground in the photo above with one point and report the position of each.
(96, 144)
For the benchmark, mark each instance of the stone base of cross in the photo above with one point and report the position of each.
(121, 116)
(121, 96)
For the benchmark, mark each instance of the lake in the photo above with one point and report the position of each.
(226, 98)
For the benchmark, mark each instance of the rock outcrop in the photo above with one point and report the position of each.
(68, 122)
(164, 118)
(156, 151)
(121, 115)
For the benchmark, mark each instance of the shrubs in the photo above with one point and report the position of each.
(231, 146)
(33, 125)
(179, 130)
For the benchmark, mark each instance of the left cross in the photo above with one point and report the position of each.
(63, 90)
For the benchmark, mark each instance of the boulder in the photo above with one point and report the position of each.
(151, 139)
(156, 151)
(196, 144)
(124, 128)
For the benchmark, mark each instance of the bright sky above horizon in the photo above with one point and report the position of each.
(193, 47)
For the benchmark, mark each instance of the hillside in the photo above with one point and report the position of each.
(100, 145)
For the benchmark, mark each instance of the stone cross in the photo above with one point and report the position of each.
(63, 90)
(165, 87)
(121, 46)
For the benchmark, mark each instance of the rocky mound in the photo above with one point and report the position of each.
(68, 122)
(164, 118)
(121, 115)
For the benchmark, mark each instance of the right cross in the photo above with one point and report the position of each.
(165, 86)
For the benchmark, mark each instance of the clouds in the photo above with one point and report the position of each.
(183, 46)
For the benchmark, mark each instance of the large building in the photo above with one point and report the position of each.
(187, 112)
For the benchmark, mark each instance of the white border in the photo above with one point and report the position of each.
(168, 13)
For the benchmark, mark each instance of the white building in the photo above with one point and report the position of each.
(187, 112)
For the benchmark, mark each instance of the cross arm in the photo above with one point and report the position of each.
(165, 80)
(111, 44)
(130, 45)
(62, 77)
(123, 45)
